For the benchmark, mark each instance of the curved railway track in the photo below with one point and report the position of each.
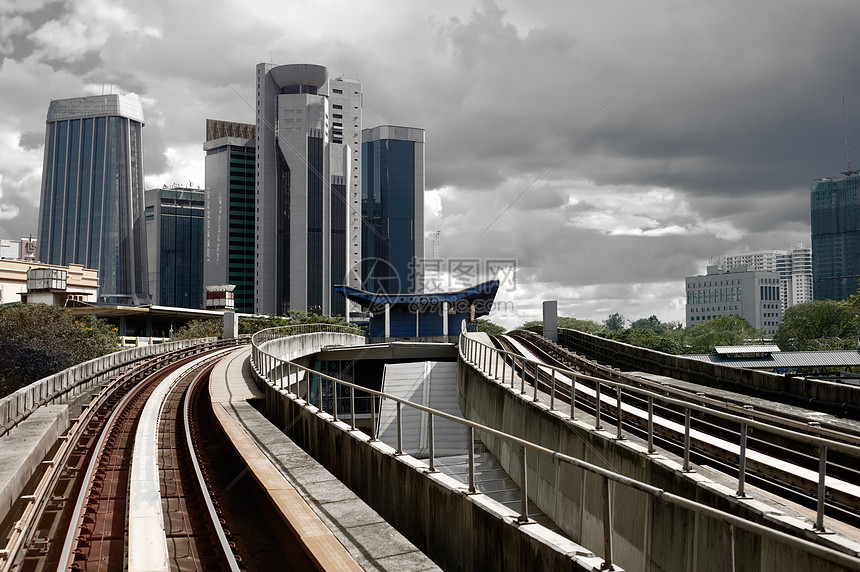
(786, 468)
(126, 462)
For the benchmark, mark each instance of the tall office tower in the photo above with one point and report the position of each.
(307, 183)
(229, 222)
(749, 294)
(794, 267)
(835, 210)
(92, 193)
(392, 204)
(174, 237)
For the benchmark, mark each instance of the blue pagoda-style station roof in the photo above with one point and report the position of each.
(413, 315)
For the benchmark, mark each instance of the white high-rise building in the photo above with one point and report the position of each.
(794, 267)
(308, 189)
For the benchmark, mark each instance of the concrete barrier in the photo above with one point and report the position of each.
(18, 405)
(459, 531)
(833, 397)
(647, 533)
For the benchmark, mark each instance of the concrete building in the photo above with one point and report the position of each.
(835, 217)
(228, 249)
(63, 284)
(91, 210)
(174, 235)
(24, 249)
(392, 206)
(749, 294)
(308, 188)
(794, 267)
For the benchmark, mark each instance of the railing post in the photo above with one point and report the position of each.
(372, 417)
(687, 440)
(352, 408)
(552, 392)
(618, 433)
(607, 527)
(399, 430)
(742, 462)
(496, 365)
(472, 488)
(537, 377)
(597, 426)
(523, 375)
(650, 425)
(524, 496)
(334, 399)
(504, 362)
(572, 396)
(822, 473)
(432, 436)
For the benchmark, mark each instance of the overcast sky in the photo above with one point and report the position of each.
(733, 109)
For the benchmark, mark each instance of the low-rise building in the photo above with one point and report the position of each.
(27, 281)
(739, 291)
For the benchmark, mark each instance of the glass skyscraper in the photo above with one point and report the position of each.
(174, 234)
(392, 205)
(92, 193)
(835, 207)
(308, 189)
(229, 222)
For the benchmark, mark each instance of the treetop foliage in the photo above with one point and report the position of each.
(38, 340)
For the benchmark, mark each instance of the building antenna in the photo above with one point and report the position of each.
(845, 134)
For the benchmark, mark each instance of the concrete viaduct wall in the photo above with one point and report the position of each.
(459, 531)
(648, 534)
(836, 397)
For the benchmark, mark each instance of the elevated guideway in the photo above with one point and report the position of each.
(499, 387)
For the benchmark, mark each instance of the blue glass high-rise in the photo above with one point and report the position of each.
(392, 208)
(92, 193)
(835, 209)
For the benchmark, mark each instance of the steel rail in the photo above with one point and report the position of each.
(790, 422)
(147, 538)
(226, 549)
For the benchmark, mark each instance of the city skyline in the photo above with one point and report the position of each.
(713, 149)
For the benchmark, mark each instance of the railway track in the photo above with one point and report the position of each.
(786, 468)
(127, 462)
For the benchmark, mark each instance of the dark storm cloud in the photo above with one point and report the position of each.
(735, 108)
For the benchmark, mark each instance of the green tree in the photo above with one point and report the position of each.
(489, 327)
(38, 340)
(647, 338)
(587, 326)
(650, 323)
(614, 322)
(817, 325)
(212, 328)
(721, 331)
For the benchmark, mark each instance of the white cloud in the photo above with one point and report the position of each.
(88, 28)
(631, 211)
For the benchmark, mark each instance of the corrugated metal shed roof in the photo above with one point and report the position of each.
(761, 349)
(433, 384)
(786, 360)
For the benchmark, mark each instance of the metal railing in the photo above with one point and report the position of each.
(288, 382)
(491, 360)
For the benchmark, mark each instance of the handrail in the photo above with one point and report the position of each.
(262, 360)
(479, 353)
